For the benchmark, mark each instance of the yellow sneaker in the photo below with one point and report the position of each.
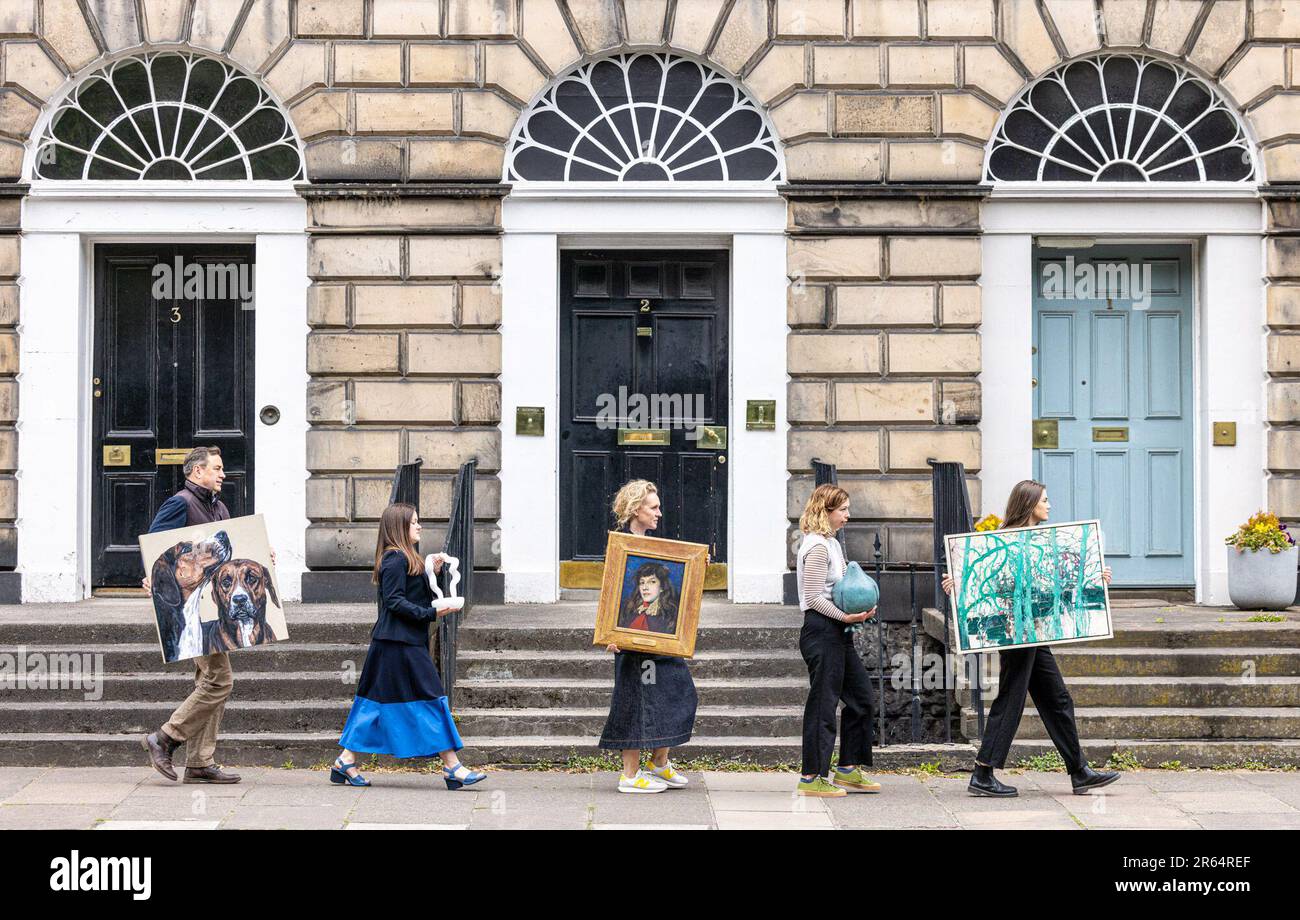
(666, 774)
(643, 782)
(853, 780)
(817, 786)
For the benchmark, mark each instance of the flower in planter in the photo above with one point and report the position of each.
(1262, 531)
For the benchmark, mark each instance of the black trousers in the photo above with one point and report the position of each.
(1033, 671)
(835, 673)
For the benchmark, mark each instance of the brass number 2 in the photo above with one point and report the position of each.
(176, 314)
(645, 306)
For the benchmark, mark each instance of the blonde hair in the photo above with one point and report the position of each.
(816, 514)
(629, 499)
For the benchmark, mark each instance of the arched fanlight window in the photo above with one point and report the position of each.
(1120, 118)
(643, 117)
(168, 115)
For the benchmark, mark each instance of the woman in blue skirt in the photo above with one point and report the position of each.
(401, 708)
(653, 706)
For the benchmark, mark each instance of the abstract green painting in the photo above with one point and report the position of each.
(1028, 586)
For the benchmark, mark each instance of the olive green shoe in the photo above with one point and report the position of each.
(853, 780)
(817, 786)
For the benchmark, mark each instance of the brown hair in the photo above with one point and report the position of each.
(199, 457)
(395, 533)
(630, 498)
(816, 514)
(1024, 498)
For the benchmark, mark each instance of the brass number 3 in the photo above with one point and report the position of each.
(176, 314)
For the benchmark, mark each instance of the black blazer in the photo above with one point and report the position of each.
(405, 603)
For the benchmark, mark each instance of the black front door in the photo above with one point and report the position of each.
(173, 369)
(643, 345)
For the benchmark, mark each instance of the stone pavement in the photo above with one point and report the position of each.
(136, 797)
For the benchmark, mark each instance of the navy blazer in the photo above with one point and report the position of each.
(405, 603)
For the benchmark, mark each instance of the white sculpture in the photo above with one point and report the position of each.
(452, 601)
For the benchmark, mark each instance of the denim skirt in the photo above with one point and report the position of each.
(653, 704)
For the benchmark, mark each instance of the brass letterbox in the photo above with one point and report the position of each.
(1110, 434)
(170, 456)
(659, 437)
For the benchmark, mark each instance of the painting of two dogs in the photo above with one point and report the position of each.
(191, 571)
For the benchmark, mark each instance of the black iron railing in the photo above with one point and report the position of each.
(460, 544)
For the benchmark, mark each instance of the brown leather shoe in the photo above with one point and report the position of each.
(160, 747)
(212, 774)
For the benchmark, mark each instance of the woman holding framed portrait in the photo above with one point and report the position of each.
(835, 671)
(654, 700)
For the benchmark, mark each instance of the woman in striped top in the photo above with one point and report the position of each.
(835, 671)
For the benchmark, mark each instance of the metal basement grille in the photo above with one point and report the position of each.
(1120, 118)
(168, 115)
(643, 117)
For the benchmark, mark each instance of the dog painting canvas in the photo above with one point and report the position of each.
(213, 588)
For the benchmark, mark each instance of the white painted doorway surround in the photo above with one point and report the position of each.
(61, 223)
(1226, 227)
(540, 219)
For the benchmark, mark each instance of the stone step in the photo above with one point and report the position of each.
(473, 637)
(292, 686)
(1187, 752)
(327, 715)
(595, 663)
(1175, 691)
(136, 658)
(1260, 722)
(483, 693)
(317, 749)
(1087, 661)
(724, 721)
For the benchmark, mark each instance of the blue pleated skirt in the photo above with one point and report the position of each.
(400, 708)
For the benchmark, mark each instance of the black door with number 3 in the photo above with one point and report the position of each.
(169, 373)
(653, 323)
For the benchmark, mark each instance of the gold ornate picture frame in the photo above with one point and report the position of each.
(650, 596)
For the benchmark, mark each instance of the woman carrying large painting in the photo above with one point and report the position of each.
(835, 671)
(1032, 671)
(653, 706)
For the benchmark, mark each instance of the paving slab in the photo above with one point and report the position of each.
(1040, 819)
(1209, 801)
(51, 817)
(773, 821)
(287, 817)
(114, 824)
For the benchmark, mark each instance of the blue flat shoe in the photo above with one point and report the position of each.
(461, 776)
(339, 774)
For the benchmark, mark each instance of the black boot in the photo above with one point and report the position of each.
(983, 782)
(1087, 779)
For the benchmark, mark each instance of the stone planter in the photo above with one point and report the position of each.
(1262, 580)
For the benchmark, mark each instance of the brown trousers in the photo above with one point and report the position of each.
(197, 720)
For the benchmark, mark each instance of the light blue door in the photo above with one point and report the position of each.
(1113, 371)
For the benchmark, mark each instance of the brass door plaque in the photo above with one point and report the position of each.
(530, 420)
(660, 437)
(1225, 434)
(117, 455)
(760, 414)
(712, 437)
(1046, 434)
(170, 456)
(1110, 434)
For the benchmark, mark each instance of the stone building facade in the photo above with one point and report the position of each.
(420, 318)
